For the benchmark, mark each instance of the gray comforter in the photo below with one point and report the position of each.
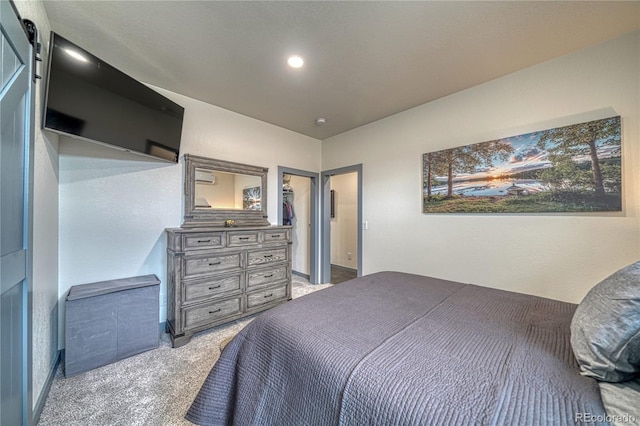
(399, 349)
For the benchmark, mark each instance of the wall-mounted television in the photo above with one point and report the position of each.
(87, 98)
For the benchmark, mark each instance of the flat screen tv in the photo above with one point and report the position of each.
(87, 98)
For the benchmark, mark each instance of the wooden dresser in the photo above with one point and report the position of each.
(216, 275)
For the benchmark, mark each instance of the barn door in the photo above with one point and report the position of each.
(15, 105)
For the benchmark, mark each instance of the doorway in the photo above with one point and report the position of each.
(341, 224)
(298, 198)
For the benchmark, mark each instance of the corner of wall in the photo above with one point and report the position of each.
(44, 336)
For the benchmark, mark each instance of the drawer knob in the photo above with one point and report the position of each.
(214, 263)
(217, 310)
(243, 238)
(268, 276)
(268, 255)
(204, 241)
(266, 296)
(213, 288)
(275, 236)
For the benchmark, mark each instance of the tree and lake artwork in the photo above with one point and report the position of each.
(252, 198)
(574, 168)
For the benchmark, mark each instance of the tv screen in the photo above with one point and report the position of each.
(89, 99)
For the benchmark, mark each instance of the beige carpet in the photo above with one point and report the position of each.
(152, 388)
(225, 342)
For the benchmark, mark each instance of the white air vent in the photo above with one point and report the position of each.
(205, 176)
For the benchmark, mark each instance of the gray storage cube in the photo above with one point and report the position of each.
(110, 320)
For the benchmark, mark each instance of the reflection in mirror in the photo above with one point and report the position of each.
(218, 192)
(228, 191)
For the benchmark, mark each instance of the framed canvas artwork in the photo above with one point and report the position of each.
(574, 168)
(251, 198)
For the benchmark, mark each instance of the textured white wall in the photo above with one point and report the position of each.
(115, 206)
(559, 256)
(344, 226)
(45, 222)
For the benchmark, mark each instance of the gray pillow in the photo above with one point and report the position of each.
(605, 329)
(621, 401)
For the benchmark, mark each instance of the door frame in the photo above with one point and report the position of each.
(325, 243)
(314, 277)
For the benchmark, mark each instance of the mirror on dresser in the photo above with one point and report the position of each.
(218, 273)
(217, 191)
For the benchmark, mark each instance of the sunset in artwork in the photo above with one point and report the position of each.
(574, 168)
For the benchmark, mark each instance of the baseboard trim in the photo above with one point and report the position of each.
(37, 410)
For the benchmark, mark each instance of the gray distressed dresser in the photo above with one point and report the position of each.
(216, 275)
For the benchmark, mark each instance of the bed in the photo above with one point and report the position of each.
(402, 349)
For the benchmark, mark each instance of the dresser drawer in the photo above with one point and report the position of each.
(263, 257)
(204, 314)
(200, 265)
(276, 235)
(202, 241)
(265, 276)
(211, 287)
(262, 297)
(242, 238)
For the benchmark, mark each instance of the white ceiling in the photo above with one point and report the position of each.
(363, 60)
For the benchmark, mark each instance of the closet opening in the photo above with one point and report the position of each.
(298, 207)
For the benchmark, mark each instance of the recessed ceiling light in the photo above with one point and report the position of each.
(295, 61)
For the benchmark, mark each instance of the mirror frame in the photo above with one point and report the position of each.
(194, 217)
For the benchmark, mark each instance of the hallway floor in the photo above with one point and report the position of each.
(341, 274)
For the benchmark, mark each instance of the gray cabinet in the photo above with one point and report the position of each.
(110, 320)
(216, 275)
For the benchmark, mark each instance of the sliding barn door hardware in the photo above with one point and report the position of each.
(32, 33)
